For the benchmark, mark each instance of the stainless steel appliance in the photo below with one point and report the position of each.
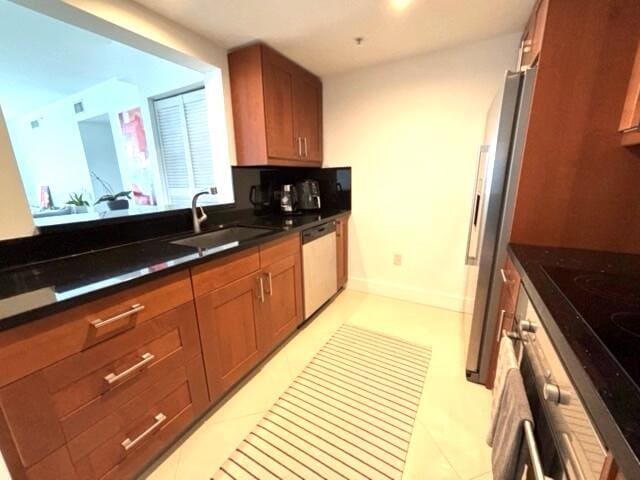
(492, 213)
(569, 447)
(308, 195)
(319, 266)
(288, 199)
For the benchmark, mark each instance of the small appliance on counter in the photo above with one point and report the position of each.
(308, 195)
(288, 199)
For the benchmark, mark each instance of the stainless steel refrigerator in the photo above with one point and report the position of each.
(492, 213)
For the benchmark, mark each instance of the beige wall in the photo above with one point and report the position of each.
(411, 131)
(134, 25)
(15, 218)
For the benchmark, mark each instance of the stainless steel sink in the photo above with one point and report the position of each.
(222, 237)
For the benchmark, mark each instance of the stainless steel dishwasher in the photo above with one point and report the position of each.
(319, 268)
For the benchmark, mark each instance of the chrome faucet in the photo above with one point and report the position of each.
(197, 220)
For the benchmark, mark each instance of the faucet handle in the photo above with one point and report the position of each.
(203, 216)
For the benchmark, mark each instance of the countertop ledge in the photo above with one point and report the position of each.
(33, 291)
(610, 396)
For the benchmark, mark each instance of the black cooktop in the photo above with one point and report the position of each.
(610, 305)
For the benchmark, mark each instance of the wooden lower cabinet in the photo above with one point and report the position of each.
(231, 343)
(282, 309)
(506, 313)
(106, 410)
(245, 320)
(342, 238)
(99, 390)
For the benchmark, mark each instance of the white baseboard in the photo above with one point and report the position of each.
(457, 303)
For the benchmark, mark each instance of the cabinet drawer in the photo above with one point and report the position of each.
(218, 273)
(36, 345)
(279, 249)
(132, 434)
(91, 384)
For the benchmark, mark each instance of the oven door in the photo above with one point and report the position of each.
(569, 446)
(550, 458)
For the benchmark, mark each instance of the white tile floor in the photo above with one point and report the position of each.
(448, 440)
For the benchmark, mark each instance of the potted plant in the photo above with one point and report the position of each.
(114, 201)
(118, 201)
(78, 203)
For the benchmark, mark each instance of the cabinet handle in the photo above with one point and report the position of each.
(505, 279)
(270, 284)
(113, 378)
(503, 313)
(261, 293)
(299, 140)
(99, 323)
(128, 444)
(306, 148)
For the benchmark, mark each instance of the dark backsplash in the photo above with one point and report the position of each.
(335, 185)
(71, 239)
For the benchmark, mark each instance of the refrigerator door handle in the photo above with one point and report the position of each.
(475, 220)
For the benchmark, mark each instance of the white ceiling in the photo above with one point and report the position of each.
(43, 60)
(319, 34)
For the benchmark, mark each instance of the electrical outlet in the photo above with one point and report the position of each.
(397, 259)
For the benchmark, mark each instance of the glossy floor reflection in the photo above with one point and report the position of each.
(448, 437)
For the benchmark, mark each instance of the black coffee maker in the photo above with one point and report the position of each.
(308, 195)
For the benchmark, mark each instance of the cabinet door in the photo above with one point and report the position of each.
(231, 343)
(342, 251)
(506, 313)
(282, 309)
(278, 79)
(307, 102)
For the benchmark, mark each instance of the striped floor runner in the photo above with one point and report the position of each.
(348, 415)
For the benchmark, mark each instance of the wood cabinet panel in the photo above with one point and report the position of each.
(277, 109)
(531, 44)
(279, 249)
(218, 273)
(33, 346)
(278, 80)
(282, 310)
(630, 120)
(307, 96)
(228, 319)
(31, 419)
(506, 313)
(102, 447)
(578, 187)
(342, 250)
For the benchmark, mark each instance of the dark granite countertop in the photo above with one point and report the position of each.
(32, 291)
(611, 397)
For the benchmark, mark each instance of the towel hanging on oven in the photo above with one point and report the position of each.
(508, 428)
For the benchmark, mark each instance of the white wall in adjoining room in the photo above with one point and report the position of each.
(411, 130)
(14, 209)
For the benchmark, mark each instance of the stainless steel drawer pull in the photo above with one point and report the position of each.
(270, 284)
(146, 359)
(261, 292)
(505, 279)
(128, 444)
(98, 323)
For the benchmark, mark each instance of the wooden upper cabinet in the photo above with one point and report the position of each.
(630, 121)
(277, 109)
(531, 43)
(307, 96)
(278, 85)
